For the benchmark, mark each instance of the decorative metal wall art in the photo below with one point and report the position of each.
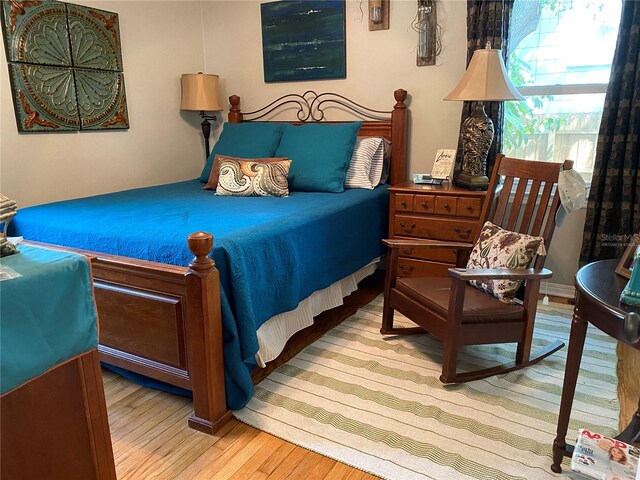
(429, 33)
(378, 14)
(65, 66)
(303, 40)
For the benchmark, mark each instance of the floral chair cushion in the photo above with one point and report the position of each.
(499, 248)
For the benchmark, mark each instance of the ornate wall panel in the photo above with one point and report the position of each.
(44, 98)
(101, 100)
(95, 38)
(36, 32)
(65, 66)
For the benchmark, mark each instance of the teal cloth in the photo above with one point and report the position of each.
(320, 155)
(47, 315)
(244, 140)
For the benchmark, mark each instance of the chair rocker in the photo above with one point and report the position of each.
(458, 314)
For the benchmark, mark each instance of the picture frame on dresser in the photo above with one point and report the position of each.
(625, 266)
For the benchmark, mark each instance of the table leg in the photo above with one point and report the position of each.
(631, 434)
(574, 356)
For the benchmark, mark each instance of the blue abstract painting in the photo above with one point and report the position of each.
(303, 40)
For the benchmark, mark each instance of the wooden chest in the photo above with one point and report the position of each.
(438, 212)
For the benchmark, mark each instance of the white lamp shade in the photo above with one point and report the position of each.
(485, 79)
(200, 92)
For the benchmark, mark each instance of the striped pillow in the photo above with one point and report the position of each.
(365, 169)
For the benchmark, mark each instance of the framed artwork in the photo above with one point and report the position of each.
(303, 40)
(65, 66)
(627, 262)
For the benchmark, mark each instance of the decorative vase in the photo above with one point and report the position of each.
(476, 135)
(631, 293)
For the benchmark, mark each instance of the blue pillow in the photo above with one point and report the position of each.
(244, 140)
(320, 154)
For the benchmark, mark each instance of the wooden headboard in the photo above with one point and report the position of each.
(309, 107)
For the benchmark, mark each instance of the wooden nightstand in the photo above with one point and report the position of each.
(437, 212)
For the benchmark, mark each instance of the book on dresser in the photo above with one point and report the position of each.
(604, 458)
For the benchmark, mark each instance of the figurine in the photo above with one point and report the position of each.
(631, 293)
(8, 210)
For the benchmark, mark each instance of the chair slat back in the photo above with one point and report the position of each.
(533, 214)
(532, 203)
(541, 213)
(517, 200)
(503, 201)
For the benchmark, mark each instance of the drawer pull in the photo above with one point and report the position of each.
(470, 208)
(462, 235)
(407, 251)
(407, 229)
(446, 206)
(404, 204)
(424, 205)
(405, 269)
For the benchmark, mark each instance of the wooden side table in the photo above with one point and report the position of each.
(598, 291)
(437, 212)
(53, 410)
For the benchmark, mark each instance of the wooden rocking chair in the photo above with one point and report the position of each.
(459, 315)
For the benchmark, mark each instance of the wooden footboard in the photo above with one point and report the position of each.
(164, 321)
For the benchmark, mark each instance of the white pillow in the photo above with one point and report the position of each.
(365, 169)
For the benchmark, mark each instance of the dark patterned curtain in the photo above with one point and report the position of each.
(613, 211)
(487, 21)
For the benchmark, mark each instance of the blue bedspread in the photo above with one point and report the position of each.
(47, 315)
(271, 252)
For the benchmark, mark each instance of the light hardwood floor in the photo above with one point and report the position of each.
(151, 440)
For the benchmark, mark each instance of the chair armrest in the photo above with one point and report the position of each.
(398, 243)
(499, 274)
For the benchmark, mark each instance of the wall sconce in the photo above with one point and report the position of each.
(378, 14)
(200, 94)
(426, 25)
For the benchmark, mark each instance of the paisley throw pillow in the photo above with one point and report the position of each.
(499, 248)
(212, 184)
(248, 178)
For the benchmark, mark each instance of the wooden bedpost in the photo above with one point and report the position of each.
(204, 337)
(399, 121)
(235, 115)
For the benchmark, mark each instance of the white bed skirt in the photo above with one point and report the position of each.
(274, 333)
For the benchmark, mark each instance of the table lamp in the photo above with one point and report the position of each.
(485, 80)
(200, 94)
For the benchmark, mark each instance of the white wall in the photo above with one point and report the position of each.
(160, 41)
(564, 253)
(377, 64)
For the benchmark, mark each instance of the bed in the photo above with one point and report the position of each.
(167, 306)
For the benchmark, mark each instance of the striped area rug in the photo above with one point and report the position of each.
(376, 403)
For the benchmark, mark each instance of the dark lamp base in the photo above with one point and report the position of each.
(472, 182)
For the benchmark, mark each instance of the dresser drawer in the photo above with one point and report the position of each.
(435, 228)
(408, 267)
(447, 255)
(469, 207)
(403, 202)
(446, 205)
(424, 204)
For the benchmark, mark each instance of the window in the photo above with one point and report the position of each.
(560, 54)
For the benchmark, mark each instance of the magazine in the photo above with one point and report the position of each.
(604, 458)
